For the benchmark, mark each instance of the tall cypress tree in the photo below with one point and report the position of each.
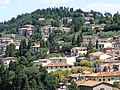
(79, 39)
(22, 48)
(73, 40)
(89, 48)
(29, 44)
(96, 44)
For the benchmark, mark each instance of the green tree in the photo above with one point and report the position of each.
(73, 40)
(89, 48)
(22, 48)
(73, 86)
(85, 63)
(29, 45)
(79, 39)
(96, 44)
(116, 84)
(10, 50)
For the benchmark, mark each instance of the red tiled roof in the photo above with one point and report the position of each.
(96, 54)
(87, 83)
(99, 74)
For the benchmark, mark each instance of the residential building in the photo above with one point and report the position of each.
(89, 27)
(109, 65)
(94, 85)
(55, 63)
(48, 29)
(8, 36)
(36, 48)
(78, 51)
(65, 29)
(7, 60)
(116, 38)
(67, 19)
(90, 38)
(108, 77)
(26, 30)
(116, 45)
(55, 66)
(104, 43)
(99, 26)
(95, 56)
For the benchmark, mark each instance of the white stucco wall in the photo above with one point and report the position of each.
(106, 87)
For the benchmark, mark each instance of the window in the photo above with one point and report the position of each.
(56, 66)
(99, 79)
(70, 66)
(65, 66)
(112, 78)
(102, 89)
(109, 79)
(103, 79)
(94, 79)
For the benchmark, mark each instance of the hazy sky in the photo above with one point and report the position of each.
(11, 8)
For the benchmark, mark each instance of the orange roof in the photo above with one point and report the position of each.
(57, 64)
(87, 83)
(96, 54)
(99, 74)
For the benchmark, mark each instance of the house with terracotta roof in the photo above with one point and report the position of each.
(104, 43)
(77, 76)
(95, 55)
(108, 65)
(26, 30)
(7, 60)
(116, 42)
(55, 66)
(108, 77)
(55, 63)
(36, 48)
(94, 85)
(78, 51)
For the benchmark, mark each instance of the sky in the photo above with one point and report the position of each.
(11, 8)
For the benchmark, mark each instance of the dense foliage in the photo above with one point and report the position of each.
(22, 75)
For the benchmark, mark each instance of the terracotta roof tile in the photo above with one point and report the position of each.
(96, 54)
(99, 74)
(87, 83)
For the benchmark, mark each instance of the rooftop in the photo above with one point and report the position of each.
(101, 74)
(57, 64)
(87, 83)
(96, 54)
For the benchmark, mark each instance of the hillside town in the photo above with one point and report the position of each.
(76, 50)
